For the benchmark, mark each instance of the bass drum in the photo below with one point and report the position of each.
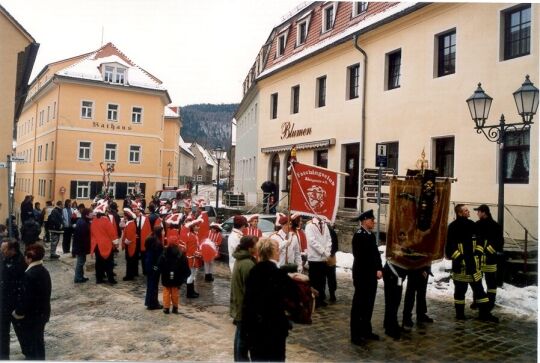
(208, 250)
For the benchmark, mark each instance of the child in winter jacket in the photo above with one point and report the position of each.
(175, 270)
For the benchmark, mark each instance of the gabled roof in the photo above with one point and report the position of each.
(207, 157)
(185, 146)
(172, 112)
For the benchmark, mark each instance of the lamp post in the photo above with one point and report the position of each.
(526, 98)
(169, 165)
(220, 155)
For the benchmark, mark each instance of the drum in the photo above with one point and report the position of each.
(208, 250)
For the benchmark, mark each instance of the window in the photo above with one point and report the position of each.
(328, 18)
(517, 31)
(516, 157)
(54, 110)
(84, 150)
(273, 105)
(321, 158)
(46, 152)
(130, 188)
(136, 115)
(41, 187)
(392, 154)
(295, 99)
(48, 113)
(41, 117)
(112, 190)
(353, 75)
(108, 75)
(282, 42)
(39, 152)
(83, 190)
(301, 33)
(394, 69)
(321, 91)
(359, 8)
(120, 76)
(444, 156)
(114, 74)
(52, 150)
(87, 109)
(112, 112)
(134, 154)
(50, 189)
(110, 152)
(446, 55)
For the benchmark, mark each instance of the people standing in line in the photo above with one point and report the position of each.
(193, 255)
(466, 253)
(174, 269)
(490, 237)
(417, 281)
(154, 249)
(239, 222)
(67, 214)
(129, 244)
(102, 234)
(45, 217)
(27, 208)
(82, 244)
(331, 265)
(367, 269)
(12, 266)
(56, 228)
(244, 262)
(319, 247)
(35, 308)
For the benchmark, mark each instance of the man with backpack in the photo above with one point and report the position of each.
(55, 224)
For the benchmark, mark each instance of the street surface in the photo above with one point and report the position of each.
(106, 322)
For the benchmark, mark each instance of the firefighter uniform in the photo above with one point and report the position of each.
(491, 239)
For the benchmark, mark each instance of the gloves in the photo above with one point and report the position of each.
(116, 242)
(127, 242)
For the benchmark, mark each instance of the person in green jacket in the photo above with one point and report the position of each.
(243, 264)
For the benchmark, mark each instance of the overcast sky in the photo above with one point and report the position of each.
(201, 50)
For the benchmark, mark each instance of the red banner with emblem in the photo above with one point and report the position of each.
(314, 191)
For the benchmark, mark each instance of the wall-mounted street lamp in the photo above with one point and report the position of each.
(526, 98)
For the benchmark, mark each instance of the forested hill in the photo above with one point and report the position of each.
(207, 124)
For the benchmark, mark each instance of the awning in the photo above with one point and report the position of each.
(319, 144)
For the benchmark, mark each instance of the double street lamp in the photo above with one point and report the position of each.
(219, 154)
(526, 98)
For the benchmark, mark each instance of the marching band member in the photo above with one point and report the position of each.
(210, 250)
(129, 244)
(187, 211)
(164, 209)
(239, 222)
(289, 246)
(193, 255)
(252, 229)
(172, 223)
(102, 234)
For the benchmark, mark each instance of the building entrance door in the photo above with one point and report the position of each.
(352, 157)
(274, 176)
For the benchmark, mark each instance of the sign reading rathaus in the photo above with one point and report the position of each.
(102, 125)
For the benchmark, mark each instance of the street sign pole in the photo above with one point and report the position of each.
(10, 204)
(379, 206)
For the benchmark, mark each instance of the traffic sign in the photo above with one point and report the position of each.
(376, 182)
(374, 200)
(376, 170)
(371, 176)
(16, 159)
(3, 165)
(370, 188)
(374, 195)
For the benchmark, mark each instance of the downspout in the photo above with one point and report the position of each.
(363, 123)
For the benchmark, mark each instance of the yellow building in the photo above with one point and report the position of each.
(337, 78)
(18, 52)
(88, 111)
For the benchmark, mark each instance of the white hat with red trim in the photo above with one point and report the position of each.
(252, 217)
(173, 218)
(216, 225)
(129, 212)
(194, 222)
(175, 204)
(278, 217)
(101, 207)
(296, 215)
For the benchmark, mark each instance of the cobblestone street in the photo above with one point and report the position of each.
(106, 322)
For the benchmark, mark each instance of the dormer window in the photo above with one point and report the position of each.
(302, 33)
(359, 8)
(114, 74)
(281, 43)
(329, 17)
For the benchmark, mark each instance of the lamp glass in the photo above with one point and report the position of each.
(526, 98)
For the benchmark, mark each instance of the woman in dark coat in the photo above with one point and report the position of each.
(264, 321)
(81, 244)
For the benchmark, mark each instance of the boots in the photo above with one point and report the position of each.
(485, 314)
(175, 310)
(166, 310)
(208, 278)
(191, 293)
(460, 312)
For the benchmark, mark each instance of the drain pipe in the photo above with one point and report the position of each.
(363, 127)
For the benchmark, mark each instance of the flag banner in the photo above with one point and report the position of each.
(418, 220)
(314, 191)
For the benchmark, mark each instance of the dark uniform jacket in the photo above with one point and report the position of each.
(464, 251)
(81, 238)
(11, 281)
(490, 237)
(36, 299)
(367, 258)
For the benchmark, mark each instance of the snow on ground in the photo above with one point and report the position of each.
(521, 301)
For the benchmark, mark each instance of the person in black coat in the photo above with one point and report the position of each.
(12, 268)
(367, 269)
(30, 231)
(27, 208)
(175, 270)
(331, 265)
(34, 310)
(81, 244)
(264, 321)
(154, 249)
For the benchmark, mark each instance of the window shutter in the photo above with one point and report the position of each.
(143, 189)
(121, 190)
(73, 190)
(93, 190)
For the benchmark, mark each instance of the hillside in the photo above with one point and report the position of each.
(207, 124)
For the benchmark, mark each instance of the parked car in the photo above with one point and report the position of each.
(168, 194)
(266, 225)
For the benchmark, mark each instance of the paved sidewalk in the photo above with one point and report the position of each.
(106, 322)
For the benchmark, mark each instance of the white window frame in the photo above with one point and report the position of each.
(279, 52)
(114, 74)
(323, 17)
(84, 110)
(111, 113)
(108, 73)
(359, 8)
(89, 151)
(83, 190)
(140, 114)
(139, 154)
(298, 31)
(115, 151)
(131, 188)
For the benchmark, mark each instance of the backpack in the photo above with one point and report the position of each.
(55, 221)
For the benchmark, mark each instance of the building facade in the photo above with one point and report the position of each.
(203, 166)
(90, 111)
(18, 50)
(185, 166)
(337, 78)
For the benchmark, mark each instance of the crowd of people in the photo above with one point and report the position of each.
(269, 275)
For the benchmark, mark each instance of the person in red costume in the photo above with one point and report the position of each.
(193, 254)
(252, 229)
(129, 238)
(143, 229)
(102, 234)
(296, 229)
(209, 250)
